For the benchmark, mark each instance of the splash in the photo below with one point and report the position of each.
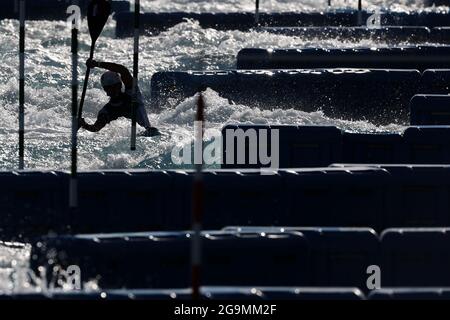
(185, 46)
(275, 5)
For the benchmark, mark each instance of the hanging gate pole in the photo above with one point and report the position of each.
(197, 200)
(22, 85)
(137, 9)
(360, 15)
(73, 188)
(257, 13)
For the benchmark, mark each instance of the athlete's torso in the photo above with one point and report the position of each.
(121, 106)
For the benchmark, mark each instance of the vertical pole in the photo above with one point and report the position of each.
(22, 85)
(137, 10)
(197, 200)
(329, 3)
(73, 196)
(257, 13)
(360, 17)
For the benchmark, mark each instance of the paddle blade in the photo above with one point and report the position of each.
(97, 15)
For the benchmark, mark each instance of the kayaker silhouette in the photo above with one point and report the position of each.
(120, 103)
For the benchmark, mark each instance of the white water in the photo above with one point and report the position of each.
(275, 5)
(183, 47)
(14, 262)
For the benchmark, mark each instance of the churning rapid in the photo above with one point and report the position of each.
(184, 47)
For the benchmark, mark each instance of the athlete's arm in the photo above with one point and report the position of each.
(96, 127)
(125, 74)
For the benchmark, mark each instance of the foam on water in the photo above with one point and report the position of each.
(183, 47)
(14, 263)
(274, 5)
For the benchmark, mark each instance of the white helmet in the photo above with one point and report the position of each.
(110, 78)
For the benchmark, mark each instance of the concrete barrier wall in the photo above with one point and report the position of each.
(339, 93)
(437, 2)
(420, 58)
(52, 9)
(315, 146)
(430, 109)
(207, 293)
(153, 23)
(392, 35)
(309, 257)
(435, 81)
(398, 196)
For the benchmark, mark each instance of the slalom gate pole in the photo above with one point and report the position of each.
(137, 10)
(257, 13)
(360, 16)
(73, 188)
(22, 85)
(197, 199)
